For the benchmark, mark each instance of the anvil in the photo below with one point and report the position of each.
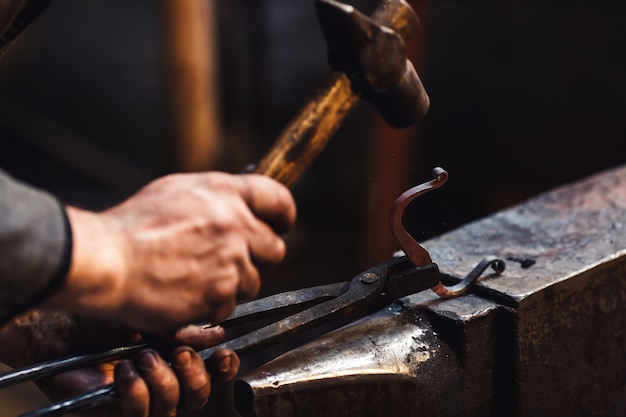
(547, 337)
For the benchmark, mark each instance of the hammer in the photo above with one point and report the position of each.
(367, 56)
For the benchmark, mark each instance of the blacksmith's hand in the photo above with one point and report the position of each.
(182, 250)
(147, 386)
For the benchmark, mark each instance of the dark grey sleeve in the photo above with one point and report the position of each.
(35, 246)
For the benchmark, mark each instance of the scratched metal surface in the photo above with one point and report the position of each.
(392, 363)
(548, 339)
(562, 339)
(565, 232)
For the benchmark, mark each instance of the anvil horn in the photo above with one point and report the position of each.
(359, 370)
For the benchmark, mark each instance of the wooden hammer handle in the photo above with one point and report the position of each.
(309, 132)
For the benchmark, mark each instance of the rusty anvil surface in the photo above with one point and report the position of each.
(546, 338)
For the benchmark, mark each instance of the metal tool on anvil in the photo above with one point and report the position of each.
(367, 292)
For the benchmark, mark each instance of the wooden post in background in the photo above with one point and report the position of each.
(190, 44)
(391, 156)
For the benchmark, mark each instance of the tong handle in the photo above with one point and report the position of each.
(54, 367)
(372, 289)
(99, 396)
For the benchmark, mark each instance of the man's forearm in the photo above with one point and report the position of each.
(35, 246)
(94, 284)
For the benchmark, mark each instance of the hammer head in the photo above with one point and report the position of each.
(372, 52)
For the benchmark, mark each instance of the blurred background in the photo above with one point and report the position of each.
(99, 97)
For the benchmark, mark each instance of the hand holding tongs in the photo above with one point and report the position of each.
(370, 290)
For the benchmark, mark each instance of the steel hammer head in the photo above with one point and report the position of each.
(372, 52)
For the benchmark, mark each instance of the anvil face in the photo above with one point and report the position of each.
(545, 338)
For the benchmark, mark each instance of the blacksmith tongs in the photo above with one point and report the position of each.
(367, 292)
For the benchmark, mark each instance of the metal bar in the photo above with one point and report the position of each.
(94, 398)
(286, 302)
(57, 366)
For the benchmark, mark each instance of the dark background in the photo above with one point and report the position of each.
(525, 96)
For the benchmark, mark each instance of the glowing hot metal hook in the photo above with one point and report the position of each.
(413, 250)
(416, 252)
